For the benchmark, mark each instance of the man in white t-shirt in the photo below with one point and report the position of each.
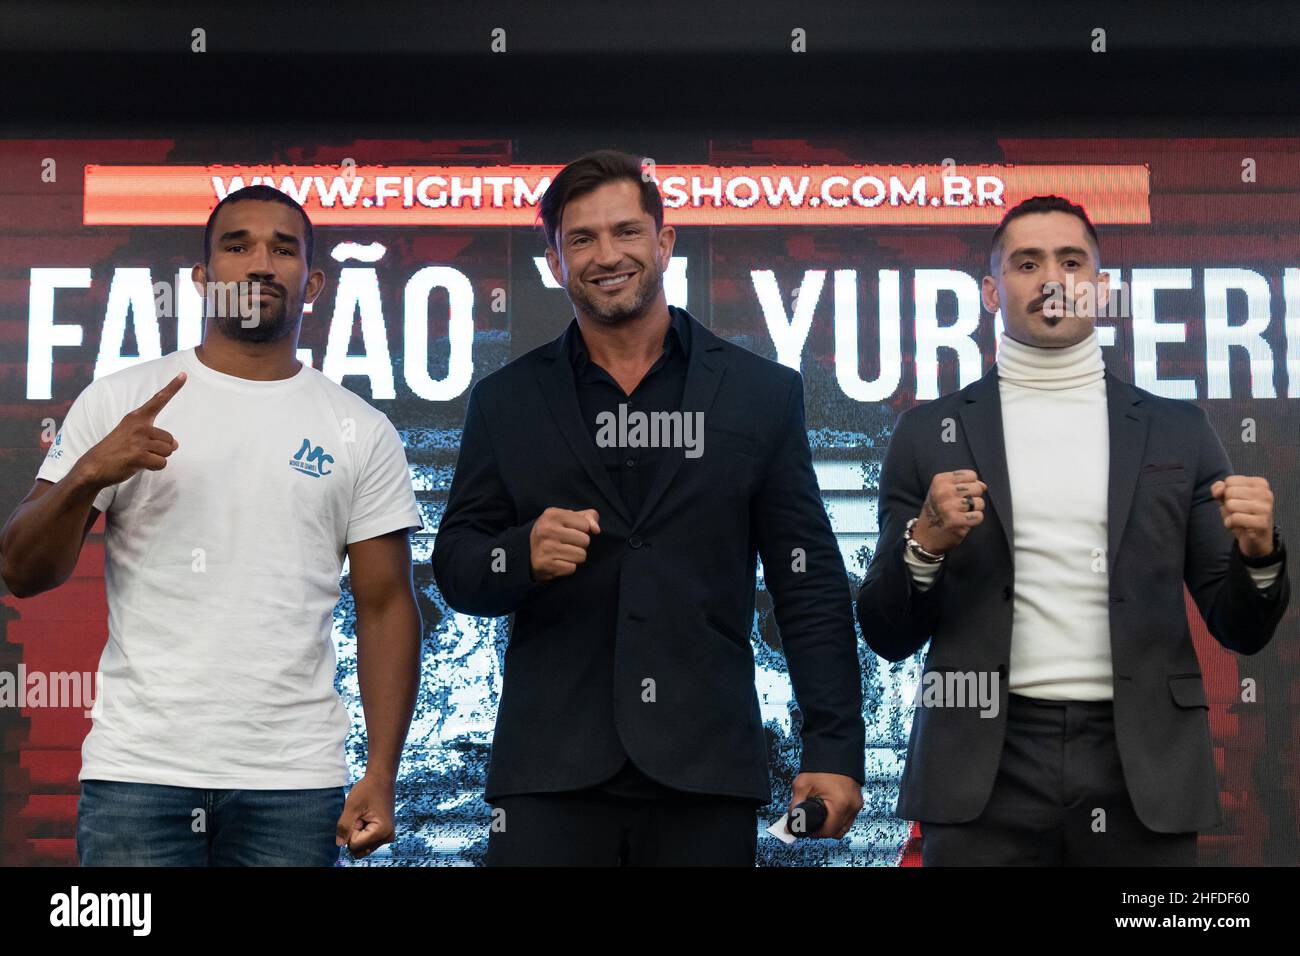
(234, 479)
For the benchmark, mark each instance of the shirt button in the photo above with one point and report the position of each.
(634, 542)
(1006, 593)
(630, 462)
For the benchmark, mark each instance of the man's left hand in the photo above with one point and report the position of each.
(1246, 505)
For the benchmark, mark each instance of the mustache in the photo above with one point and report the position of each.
(1036, 304)
(1068, 307)
(263, 285)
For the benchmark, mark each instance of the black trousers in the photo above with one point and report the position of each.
(592, 828)
(1059, 799)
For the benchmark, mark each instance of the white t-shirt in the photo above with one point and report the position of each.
(222, 573)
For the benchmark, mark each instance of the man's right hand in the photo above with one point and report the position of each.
(945, 519)
(134, 444)
(559, 540)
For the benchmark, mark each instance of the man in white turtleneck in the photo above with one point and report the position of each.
(1104, 499)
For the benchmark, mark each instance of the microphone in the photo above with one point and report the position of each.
(807, 817)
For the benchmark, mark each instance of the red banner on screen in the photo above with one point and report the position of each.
(694, 195)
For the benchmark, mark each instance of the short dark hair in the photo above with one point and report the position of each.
(264, 194)
(1041, 204)
(586, 173)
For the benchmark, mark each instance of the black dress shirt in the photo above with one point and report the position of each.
(632, 469)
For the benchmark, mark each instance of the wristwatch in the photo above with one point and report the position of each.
(929, 557)
(1266, 560)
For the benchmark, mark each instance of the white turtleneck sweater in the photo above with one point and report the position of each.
(1056, 431)
(1057, 439)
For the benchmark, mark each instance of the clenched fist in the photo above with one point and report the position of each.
(134, 444)
(953, 506)
(559, 540)
(1246, 505)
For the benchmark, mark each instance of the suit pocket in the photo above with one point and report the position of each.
(727, 633)
(729, 442)
(1188, 690)
(1169, 474)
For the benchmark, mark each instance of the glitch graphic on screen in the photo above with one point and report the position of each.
(863, 274)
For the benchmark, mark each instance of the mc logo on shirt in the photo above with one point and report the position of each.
(314, 464)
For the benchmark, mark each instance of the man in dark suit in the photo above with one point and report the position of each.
(612, 491)
(1061, 717)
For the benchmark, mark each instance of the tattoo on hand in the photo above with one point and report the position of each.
(936, 519)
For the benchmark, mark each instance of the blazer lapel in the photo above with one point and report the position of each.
(703, 373)
(981, 417)
(561, 394)
(1128, 441)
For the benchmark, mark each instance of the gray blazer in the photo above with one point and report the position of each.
(1164, 529)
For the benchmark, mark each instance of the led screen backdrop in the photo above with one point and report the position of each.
(861, 272)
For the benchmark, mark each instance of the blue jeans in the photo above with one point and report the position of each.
(146, 824)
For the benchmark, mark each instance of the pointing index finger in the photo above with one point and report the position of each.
(151, 408)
